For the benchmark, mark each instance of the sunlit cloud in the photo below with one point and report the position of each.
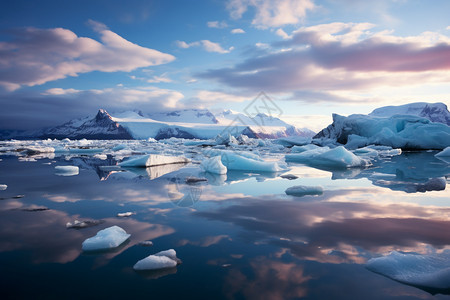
(271, 13)
(35, 56)
(207, 45)
(237, 31)
(217, 24)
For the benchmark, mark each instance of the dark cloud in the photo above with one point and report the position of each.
(25, 110)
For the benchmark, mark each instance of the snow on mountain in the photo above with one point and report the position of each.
(263, 125)
(202, 116)
(102, 126)
(435, 112)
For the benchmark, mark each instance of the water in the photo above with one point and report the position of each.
(239, 237)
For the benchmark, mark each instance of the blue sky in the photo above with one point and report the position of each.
(66, 59)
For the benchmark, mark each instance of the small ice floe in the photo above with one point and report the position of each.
(101, 156)
(444, 155)
(214, 165)
(109, 238)
(83, 224)
(161, 260)
(289, 176)
(3, 187)
(35, 208)
(150, 160)
(191, 180)
(302, 190)
(66, 170)
(126, 214)
(246, 161)
(226, 265)
(338, 157)
(429, 272)
(146, 243)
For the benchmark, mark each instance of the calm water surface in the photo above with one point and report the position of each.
(239, 236)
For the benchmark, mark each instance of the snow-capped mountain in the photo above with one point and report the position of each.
(202, 116)
(188, 123)
(435, 112)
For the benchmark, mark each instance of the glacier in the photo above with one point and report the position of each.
(398, 131)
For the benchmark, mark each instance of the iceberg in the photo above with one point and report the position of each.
(444, 153)
(337, 158)
(214, 165)
(426, 271)
(125, 214)
(302, 190)
(109, 238)
(151, 160)
(66, 170)
(3, 187)
(397, 131)
(161, 260)
(244, 161)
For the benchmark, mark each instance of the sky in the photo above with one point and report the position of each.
(61, 60)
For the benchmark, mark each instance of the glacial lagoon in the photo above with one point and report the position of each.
(239, 235)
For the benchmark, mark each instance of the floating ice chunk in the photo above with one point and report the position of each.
(66, 170)
(101, 156)
(338, 157)
(83, 224)
(430, 271)
(85, 150)
(126, 214)
(39, 149)
(234, 161)
(153, 160)
(108, 238)
(214, 165)
(119, 147)
(444, 153)
(3, 187)
(161, 260)
(146, 243)
(299, 149)
(289, 176)
(302, 190)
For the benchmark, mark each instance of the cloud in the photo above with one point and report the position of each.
(210, 97)
(157, 79)
(206, 45)
(35, 56)
(341, 57)
(270, 13)
(282, 33)
(217, 24)
(23, 110)
(237, 31)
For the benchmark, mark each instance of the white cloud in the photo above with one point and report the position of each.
(217, 24)
(282, 33)
(163, 78)
(207, 45)
(269, 13)
(237, 31)
(36, 56)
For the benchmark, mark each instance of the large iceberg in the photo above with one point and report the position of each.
(161, 260)
(336, 158)
(109, 238)
(429, 272)
(398, 131)
(151, 160)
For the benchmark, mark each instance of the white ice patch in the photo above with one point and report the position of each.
(152, 160)
(214, 165)
(161, 260)
(3, 187)
(66, 170)
(108, 238)
(427, 271)
(302, 190)
(338, 157)
(244, 161)
(126, 214)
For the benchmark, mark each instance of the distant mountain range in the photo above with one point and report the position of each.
(188, 123)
